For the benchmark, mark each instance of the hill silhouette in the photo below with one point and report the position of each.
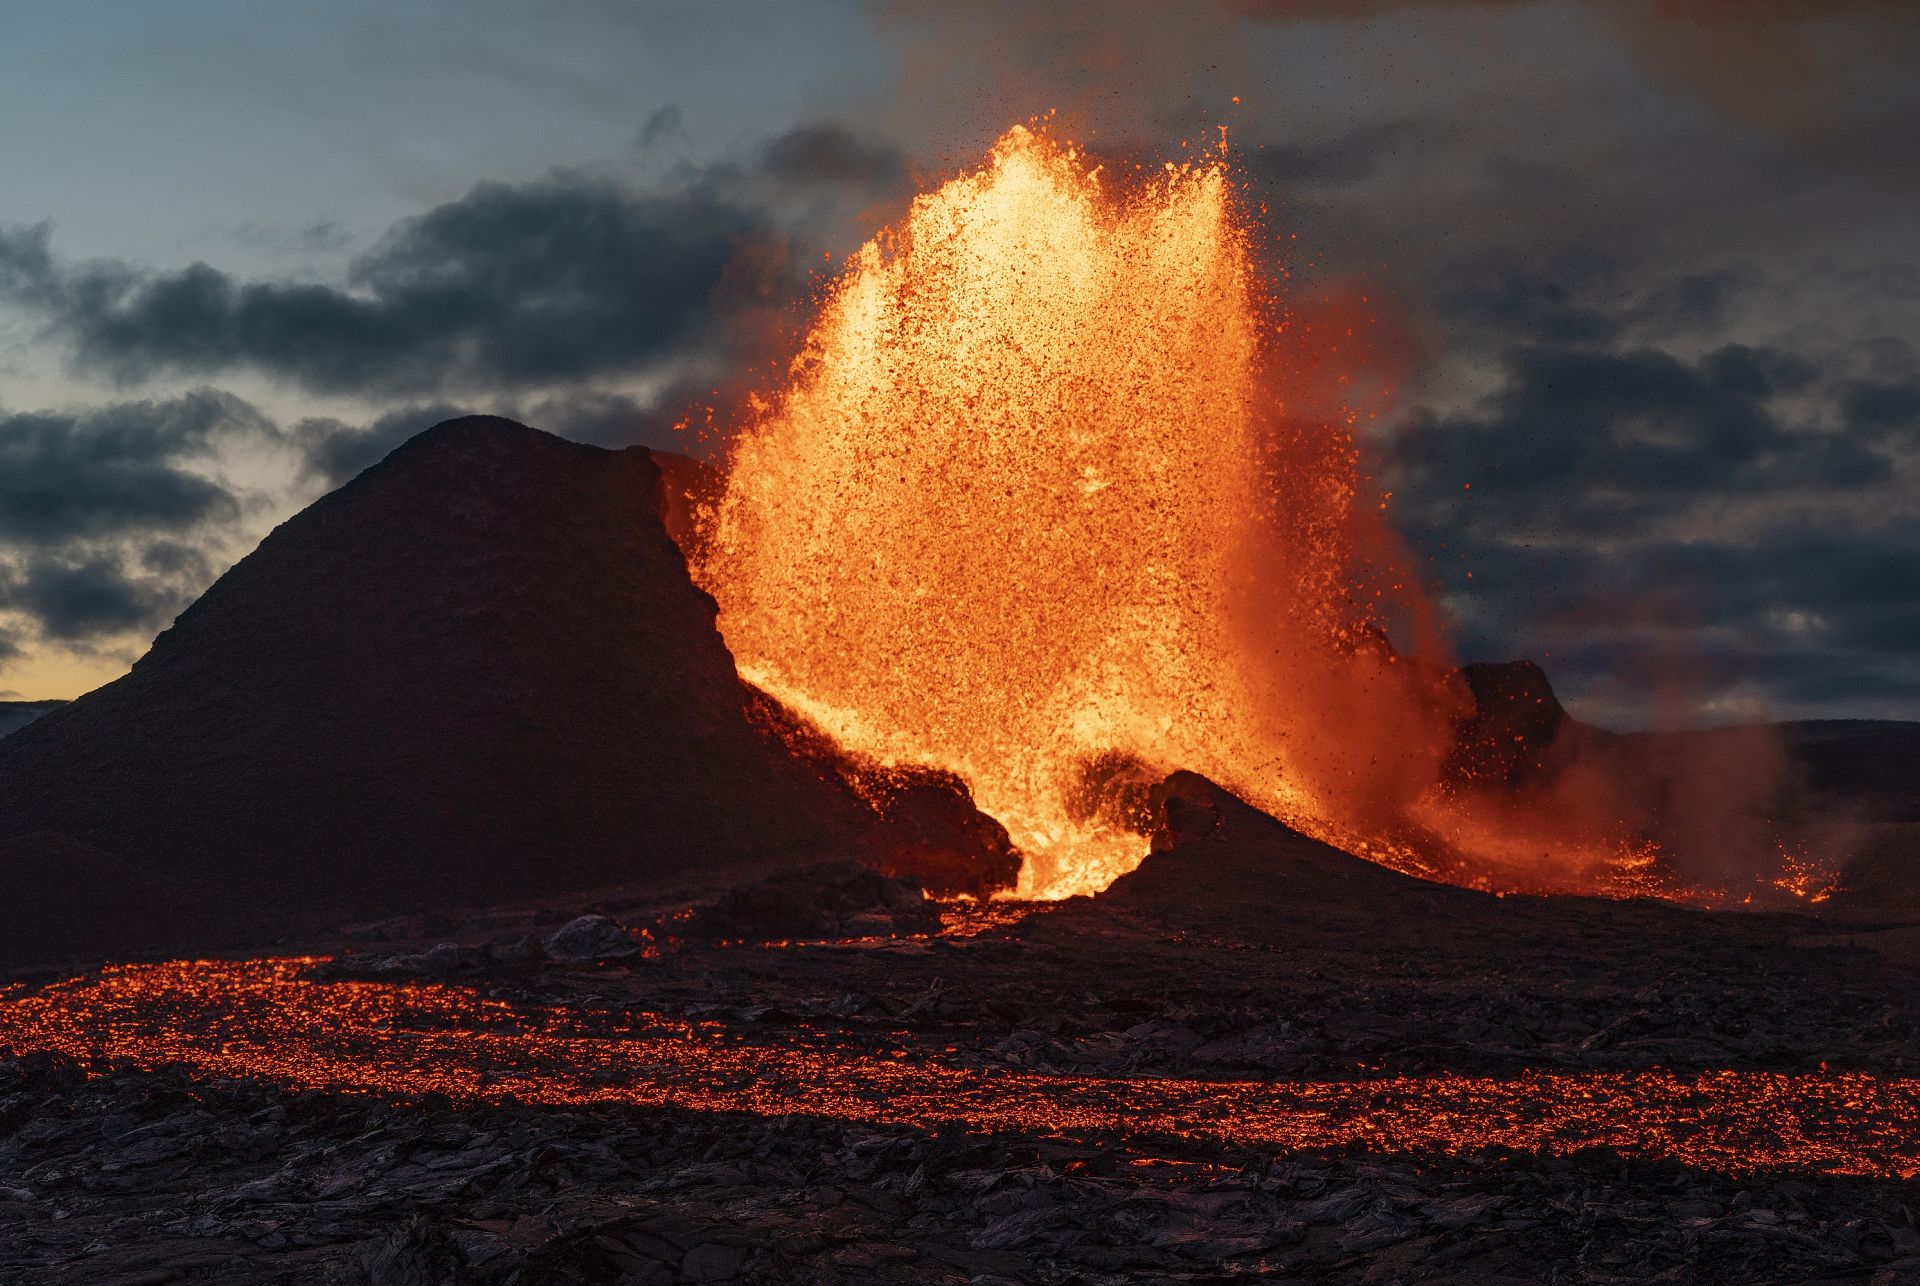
(477, 671)
(15, 715)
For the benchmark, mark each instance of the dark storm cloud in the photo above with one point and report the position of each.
(570, 278)
(1647, 504)
(829, 154)
(1581, 296)
(1590, 440)
(103, 511)
(563, 279)
(1521, 303)
(1877, 408)
(1624, 507)
(334, 451)
(666, 128)
(77, 601)
(1820, 620)
(1343, 159)
(117, 470)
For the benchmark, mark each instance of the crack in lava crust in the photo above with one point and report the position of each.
(273, 1021)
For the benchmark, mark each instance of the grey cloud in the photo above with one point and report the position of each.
(830, 154)
(1883, 408)
(512, 286)
(1585, 297)
(1334, 161)
(1622, 506)
(1623, 432)
(105, 514)
(664, 129)
(550, 281)
(117, 470)
(334, 450)
(1518, 303)
(74, 602)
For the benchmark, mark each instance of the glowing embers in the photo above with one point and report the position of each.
(1029, 502)
(273, 1021)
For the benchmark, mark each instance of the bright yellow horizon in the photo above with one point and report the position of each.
(48, 675)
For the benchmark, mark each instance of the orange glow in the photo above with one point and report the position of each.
(1060, 497)
(1030, 507)
(1806, 878)
(271, 1021)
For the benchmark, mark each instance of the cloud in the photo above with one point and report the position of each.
(78, 601)
(558, 280)
(1733, 519)
(829, 154)
(117, 470)
(1346, 158)
(513, 286)
(1877, 408)
(106, 513)
(665, 130)
(1579, 439)
(1518, 302)
(334, 450)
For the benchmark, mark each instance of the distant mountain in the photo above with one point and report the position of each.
(15, 715)
(479, 671)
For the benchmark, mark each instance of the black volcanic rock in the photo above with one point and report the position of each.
(1217, 860)
(15, 715)
(926, 827)
(62, 897)
(477, 671)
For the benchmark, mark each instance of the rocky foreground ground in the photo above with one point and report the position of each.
(827, 1079)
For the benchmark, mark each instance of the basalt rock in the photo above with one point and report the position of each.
(922, 822)
(932, 833)
(590, 939)
(838, 900)
(15, 715)
(59, 896)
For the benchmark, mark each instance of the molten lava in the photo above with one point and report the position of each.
(274, 1021)
(1059, 498)
(1031, 510)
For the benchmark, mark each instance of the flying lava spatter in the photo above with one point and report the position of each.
(1030, 508)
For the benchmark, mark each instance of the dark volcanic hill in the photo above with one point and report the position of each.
(1218, 863)
(477, 671)
(15, 715)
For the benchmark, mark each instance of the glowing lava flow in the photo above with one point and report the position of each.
(1029, 511)
(271, 1020)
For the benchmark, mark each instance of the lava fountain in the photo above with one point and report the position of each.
(1031, 508)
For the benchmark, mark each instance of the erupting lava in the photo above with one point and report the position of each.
(1033, 509)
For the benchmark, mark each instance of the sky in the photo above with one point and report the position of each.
(1642, 371)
